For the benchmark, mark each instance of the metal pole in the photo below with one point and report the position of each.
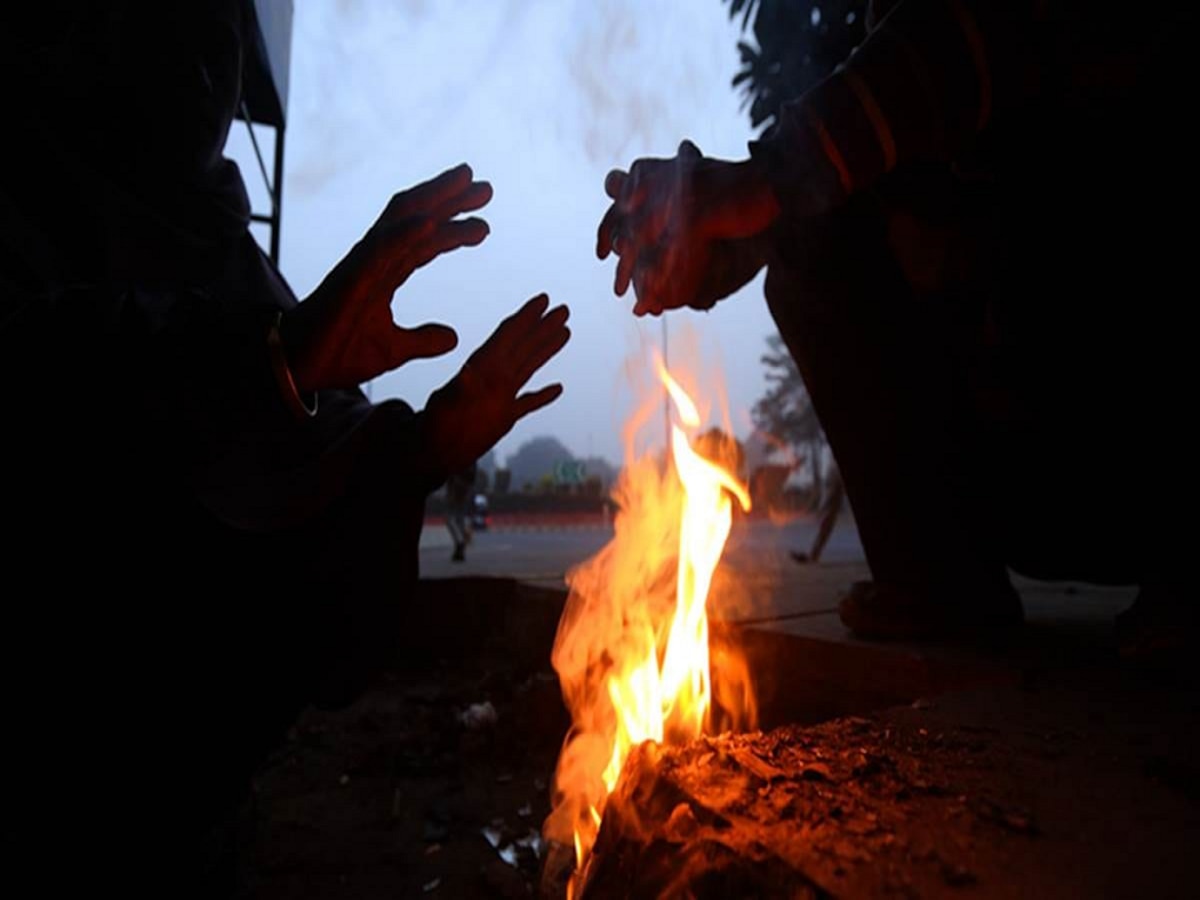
(277, 196)
(666, 396)
(274, 185)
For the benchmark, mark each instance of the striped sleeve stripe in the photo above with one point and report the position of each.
(870, 106)
(832, 153)
(974, 39)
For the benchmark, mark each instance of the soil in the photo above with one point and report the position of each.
(1077, 784)
(435, 782)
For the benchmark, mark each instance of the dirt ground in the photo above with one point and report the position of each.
(1065, 788)
(1073, 782)
(436, 782)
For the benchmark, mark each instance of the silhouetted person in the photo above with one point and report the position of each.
(970, 229)
(208, 525)
(832, 497)
(460, 491)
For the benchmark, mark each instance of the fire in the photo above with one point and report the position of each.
(632, 651)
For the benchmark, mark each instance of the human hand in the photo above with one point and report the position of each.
(344, 334)
(686, 230)
(480, 405)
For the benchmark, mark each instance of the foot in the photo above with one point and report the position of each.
(801, 557)
(460, 553)
(888, 612)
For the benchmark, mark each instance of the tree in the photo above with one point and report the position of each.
(796, 44)
(536, 459)
(488, 462)
(601, 469)
(786, 411)
(501, 481)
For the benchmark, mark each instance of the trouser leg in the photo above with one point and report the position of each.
(890, 397)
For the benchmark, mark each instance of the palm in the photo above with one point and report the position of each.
(484, 400)
(344, 333)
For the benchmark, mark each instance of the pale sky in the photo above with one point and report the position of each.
(542, 98)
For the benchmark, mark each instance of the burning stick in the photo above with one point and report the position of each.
(632, 650)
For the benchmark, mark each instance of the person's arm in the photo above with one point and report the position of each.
(929, 77)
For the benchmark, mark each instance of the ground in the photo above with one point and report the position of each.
(433, 779)
(1042, 768)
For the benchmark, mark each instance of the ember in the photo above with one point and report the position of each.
(632, 651)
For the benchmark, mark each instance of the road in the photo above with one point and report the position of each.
(757, 575)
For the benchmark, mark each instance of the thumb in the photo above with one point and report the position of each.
(422, 342)
(688, 150)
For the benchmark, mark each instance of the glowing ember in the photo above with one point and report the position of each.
(632, 649)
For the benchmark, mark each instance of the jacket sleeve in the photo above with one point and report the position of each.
(176, 384)
(926, 80)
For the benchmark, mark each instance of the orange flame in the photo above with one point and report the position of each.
(632, 652)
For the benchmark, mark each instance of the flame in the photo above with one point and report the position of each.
(632, 652)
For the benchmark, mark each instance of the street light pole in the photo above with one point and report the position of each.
(666, 395)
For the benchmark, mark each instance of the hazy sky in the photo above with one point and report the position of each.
(542, 98)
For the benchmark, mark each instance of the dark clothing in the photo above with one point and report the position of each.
(188, 564)
(460, 488)
(989, 328)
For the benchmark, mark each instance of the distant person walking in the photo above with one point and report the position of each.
(831, 506)
(460, 487)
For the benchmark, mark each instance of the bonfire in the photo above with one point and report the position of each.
(632, 651)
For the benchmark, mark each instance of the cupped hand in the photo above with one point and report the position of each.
(344, 333)
(480, 405)
(678, 225)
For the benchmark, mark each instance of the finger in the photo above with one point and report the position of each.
(535, 400)
(542, 347)
(637, 184)
(475, 196)
(643, 263)
(625, 265)
(645, 282)
(524, 342)
(670, 281)
(429, 195)
(501, 347)
(524, 318)
(606, 233)
(422, 342)
(385, 252)
(647, 228)
(543, 323)
(555, 318)
(469, 232)
(446, 237)
(688, 150)
(614, 181)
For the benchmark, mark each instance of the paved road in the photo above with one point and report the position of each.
(756, 579)
(547, 553)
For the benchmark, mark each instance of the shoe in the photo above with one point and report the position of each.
(460, 554)
(887, 612)
(801, 557)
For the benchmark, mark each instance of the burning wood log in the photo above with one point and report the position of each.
(848, 808)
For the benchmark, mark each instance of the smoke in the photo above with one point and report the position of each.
(376, 74)
(636, 69)
(605, 79)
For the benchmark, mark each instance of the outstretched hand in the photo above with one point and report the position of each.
(480, 405)
(687, 230)
(344, 334)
